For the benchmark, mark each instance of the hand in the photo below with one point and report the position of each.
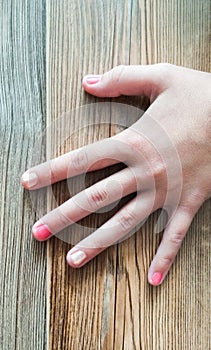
(168, 158)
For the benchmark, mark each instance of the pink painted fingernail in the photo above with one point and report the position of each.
(156, 278)
(76, 257)
(41, 232)
(93, 79)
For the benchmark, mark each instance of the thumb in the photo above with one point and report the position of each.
(147, 80)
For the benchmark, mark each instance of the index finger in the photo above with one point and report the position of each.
(88, 158)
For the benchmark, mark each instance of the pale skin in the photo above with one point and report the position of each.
(171, 171)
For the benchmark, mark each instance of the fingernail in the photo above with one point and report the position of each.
(77, 257)
(29, 179)
(156, 278)
(93, 79)
(41, 232)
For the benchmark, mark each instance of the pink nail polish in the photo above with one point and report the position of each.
(41, 232)
(93, 79)
(156, 278)
(76, 257)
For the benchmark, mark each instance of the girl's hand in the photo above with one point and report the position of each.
(168, 157)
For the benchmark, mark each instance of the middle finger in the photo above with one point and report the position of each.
(99, 195)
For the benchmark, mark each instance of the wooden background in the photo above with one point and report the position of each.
(22, 117)
(46, 48)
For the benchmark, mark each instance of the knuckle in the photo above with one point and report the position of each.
(158, 170)
(80, 161)
(154, 164)
(54, 171)
(187, 208)
(166, 71)
(127, 220)
(117, 73)
(197, 197)
(165, 261)
(138, 146)
(96, 197)
(137, 143)
(192, 202)
(64, 218)
(165, 66)
(177, 238)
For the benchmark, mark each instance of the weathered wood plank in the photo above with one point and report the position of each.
(22, 116)
(108, 304)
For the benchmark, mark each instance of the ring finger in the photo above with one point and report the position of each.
(113, 230)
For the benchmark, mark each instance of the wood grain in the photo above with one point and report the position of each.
(22, 116)
(108, 304)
